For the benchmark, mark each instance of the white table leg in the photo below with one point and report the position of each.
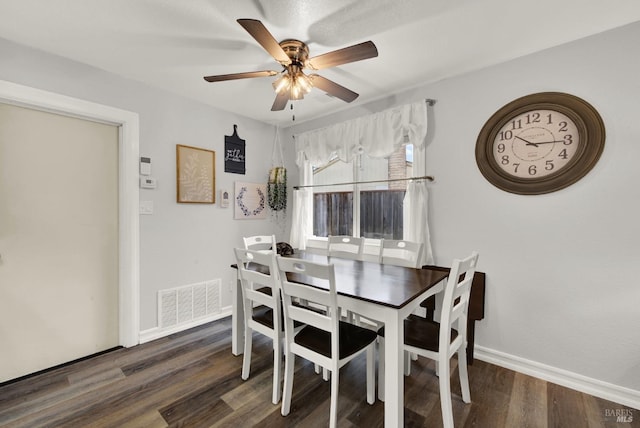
(394, 371)
(237, 321)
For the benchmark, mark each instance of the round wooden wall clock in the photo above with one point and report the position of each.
(540, 143)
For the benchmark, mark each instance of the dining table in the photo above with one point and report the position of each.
(384, 293)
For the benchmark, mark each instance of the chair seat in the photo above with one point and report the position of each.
(422, 333)
(264, 315)
(353, 338)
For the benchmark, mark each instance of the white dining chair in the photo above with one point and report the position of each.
(257, 272)
(317, 246)
(260, 242)
(346, 247)
(324, 340)
(398, 253)
(440, 341)
(401, 253)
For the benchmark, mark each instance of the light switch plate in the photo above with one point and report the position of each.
(146, 207)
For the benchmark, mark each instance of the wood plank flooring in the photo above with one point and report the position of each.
(191, 379)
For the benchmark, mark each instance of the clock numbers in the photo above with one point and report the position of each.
(540, 143)
(532, 118)
(536, 143)
(506, 135)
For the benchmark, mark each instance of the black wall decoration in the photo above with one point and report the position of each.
(234, 152)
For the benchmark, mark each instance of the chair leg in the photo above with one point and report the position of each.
(333, 412)
(289, 363)
(277, 371)
(371, 376)
(246, 358)
(325, 372)
(464, 375)
(445, 392)
(407, 363)
(380, 368)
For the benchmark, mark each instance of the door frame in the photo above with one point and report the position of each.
(128, 192)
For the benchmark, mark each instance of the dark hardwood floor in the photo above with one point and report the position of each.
(191, 379)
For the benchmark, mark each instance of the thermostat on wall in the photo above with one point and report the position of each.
(148, 182)
(145, 166)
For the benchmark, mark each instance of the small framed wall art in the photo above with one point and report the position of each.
(234, 153)
(196, 175)
(250, 201)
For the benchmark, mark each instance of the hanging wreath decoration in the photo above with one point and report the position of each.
(246, 211)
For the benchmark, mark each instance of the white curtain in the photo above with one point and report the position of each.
(302, 215)
(415, 206)
(377, 135)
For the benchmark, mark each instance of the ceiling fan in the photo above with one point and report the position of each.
(293, 55)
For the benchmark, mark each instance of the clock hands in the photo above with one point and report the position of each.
(529, 143)
(526, 141)
(543, 142)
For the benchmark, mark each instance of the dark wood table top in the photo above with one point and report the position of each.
(388, 285)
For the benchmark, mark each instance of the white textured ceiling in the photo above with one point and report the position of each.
(172, 44)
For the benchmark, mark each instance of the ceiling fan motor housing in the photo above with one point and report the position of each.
(297, 51)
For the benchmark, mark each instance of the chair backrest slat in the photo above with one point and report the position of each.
(401, 252)
(346, 247)
(258, 270)
(259, 242)
(455, 303)
(313, 296)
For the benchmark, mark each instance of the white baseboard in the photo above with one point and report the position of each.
(605, 390)
(157, 332)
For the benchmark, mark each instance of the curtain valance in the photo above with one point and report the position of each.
(378, 135)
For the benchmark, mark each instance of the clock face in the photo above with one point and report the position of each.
(540, 143)
(535, 144)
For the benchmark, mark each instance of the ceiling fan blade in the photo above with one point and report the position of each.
(332, 88)
(266, 40)
(281, 101)
(235, 76)
(343, 56)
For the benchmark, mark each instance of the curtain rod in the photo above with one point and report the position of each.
(424, 177)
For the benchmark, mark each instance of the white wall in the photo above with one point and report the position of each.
(180, 243)
(562, 268)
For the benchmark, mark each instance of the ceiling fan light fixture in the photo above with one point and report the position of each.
(282, 83)
(294, 83)
(303, 81)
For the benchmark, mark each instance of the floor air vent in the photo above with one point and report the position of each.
(188, 303)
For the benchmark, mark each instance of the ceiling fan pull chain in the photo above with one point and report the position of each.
(293, 115)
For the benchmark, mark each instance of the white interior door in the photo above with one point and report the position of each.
(58, 239)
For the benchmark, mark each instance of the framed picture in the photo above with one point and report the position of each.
(251, 201)
(196, 175)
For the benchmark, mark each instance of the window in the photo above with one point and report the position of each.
(372, 208)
